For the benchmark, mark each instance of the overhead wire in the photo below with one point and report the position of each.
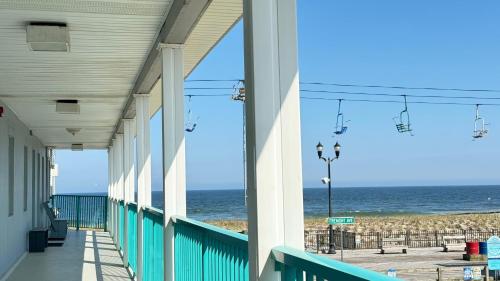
(361, 85)
(401, 87)
(398, 95)
(396, 101)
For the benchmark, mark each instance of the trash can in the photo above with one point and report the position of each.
(472, 247)
(38, 239)
(483, 248)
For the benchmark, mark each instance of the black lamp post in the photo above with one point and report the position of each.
(319, 149)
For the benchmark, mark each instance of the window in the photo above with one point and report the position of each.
(11, 176)
(33, 189)
(44, 191)
(25, 199)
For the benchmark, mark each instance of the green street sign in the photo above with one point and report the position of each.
(341, 220)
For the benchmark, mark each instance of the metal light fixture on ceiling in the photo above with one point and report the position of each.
(73, 131)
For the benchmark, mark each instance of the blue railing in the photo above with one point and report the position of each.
(132, 236)
(121, 222)
(209, 253)
(81, 211)
(153, 244)
(298, 265)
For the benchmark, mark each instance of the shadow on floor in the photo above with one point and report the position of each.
(85, 255)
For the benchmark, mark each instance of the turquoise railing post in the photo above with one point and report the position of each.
(153, 244)
(121, 222)
(132, 236)
(105, 213)
(78, 213)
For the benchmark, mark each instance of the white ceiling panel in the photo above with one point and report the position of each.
(109, 42)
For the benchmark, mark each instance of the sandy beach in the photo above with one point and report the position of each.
(441, 222)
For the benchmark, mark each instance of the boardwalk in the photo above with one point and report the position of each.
(86, 255)
(419, 264)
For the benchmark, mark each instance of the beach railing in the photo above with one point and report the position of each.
(82, 211)
(299, 265)
(206, 252)
(318, 240)
(132, 236)
(153, 244)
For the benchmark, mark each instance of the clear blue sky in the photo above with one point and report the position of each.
(412, 43)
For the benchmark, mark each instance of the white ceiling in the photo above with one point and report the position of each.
(110, 41)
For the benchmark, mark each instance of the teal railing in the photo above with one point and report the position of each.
(82, 211)
(153, 244)
(121, 222)
(298, 265)
(132, 236)
(209, 253)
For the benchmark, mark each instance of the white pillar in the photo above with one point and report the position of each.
(119, 184)
(115, 187)
(128, 167)
(115, 190)
(110, 187)
(275, 206)
(174, 163)
(144, 171)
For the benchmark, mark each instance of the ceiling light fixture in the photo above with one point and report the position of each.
(48, 36)
(67, 106)
(73, 131)
(77, 147)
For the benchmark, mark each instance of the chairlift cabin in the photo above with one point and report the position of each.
(340, 128)
(480, 130)
(402, 121)
(191, 122)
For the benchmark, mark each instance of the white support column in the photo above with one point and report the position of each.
(128, 167)
(110, 187)
(115, 190)
(275, 206)
(174, 163)
(115, 187)
(144, 172)
(119, 184)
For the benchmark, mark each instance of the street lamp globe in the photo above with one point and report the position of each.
(319, 148)
(336, 147)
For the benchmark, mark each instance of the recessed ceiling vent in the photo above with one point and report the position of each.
(77, 147)
(67, 106)
(48, 36)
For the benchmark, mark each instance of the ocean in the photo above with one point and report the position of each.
(366, 201)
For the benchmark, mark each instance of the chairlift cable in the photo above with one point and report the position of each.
(395, 101)
(401, 87)
(361, 85)
(398, 95)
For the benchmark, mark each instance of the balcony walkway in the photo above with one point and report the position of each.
(86, 255)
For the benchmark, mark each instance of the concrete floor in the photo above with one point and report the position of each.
(417, 264)
(85, 255)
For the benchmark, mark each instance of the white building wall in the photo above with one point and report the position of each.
(14, 229)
